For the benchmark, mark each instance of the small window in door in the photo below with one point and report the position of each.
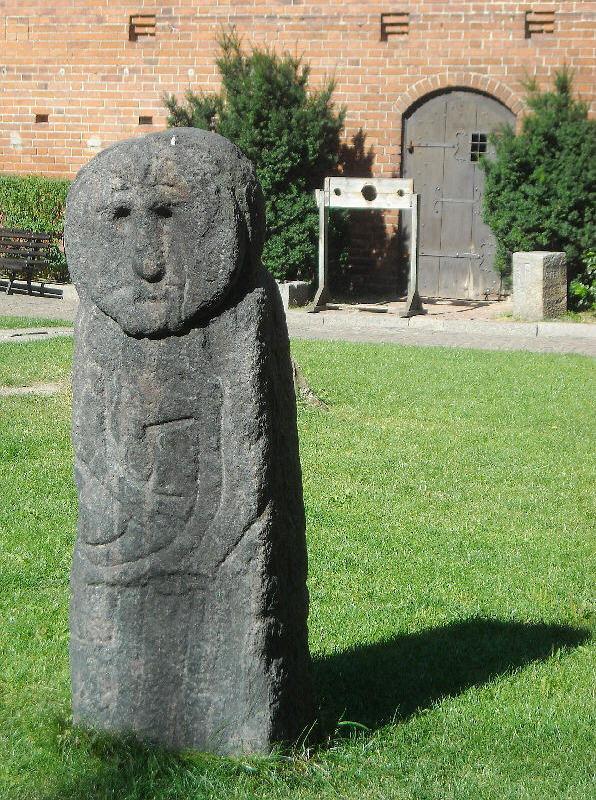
(478, 145)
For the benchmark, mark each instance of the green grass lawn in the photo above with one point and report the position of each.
(450, 510)
(32, 322)
(44, 360)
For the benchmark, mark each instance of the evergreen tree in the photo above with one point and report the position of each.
(290, 134)
(540, 191)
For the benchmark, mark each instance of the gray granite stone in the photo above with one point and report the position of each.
(295, 293)
(189, 601)
(539, 285)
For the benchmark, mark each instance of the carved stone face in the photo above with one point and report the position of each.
(158, 228)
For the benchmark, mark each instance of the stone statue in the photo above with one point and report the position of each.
(189, 601)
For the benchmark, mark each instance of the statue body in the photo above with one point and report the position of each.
(189, 601)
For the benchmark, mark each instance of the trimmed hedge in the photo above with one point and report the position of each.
(540, 191)
(582, 289)
(35, 203)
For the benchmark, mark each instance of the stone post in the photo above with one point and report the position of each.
(539, 285)
(188, 585)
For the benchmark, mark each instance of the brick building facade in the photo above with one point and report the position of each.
(77, 75)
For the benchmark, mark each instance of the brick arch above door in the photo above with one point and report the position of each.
(444, 81)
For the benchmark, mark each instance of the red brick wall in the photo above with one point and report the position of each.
(73, 61)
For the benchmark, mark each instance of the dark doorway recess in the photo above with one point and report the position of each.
(444, 135)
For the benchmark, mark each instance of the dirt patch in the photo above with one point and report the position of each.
(492, 310)
(35, 388)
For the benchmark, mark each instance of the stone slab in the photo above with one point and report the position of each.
(539, 285)
(295, 293)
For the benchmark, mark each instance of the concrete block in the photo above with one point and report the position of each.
(295, 293)
(69, 293)
(539, 285)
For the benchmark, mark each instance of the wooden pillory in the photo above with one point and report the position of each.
(374, 194)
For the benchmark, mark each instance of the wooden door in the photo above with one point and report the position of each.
(442, 141)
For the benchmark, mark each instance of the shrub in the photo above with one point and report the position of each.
(582, 289)
(290, 135)
(540, 191)
(35, 203)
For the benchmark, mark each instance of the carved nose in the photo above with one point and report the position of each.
(149, 268)
(148, 259)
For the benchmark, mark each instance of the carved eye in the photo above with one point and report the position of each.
(121, 212)
(163, 211)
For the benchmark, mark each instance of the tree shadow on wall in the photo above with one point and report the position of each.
(389, 681)
(375, 268)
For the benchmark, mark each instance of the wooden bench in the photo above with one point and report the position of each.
(24, 253)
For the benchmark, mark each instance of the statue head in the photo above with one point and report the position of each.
(159, 228)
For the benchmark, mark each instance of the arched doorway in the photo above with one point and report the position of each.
(443, 137)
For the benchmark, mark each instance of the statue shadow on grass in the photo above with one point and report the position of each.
(372, 685)
(376, 684)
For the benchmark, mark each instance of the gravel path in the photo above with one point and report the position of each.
(476, 325)
(29, 334)
(428, 331)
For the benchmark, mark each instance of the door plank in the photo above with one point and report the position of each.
(426, 165)
(484, 279)
(436, 155)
